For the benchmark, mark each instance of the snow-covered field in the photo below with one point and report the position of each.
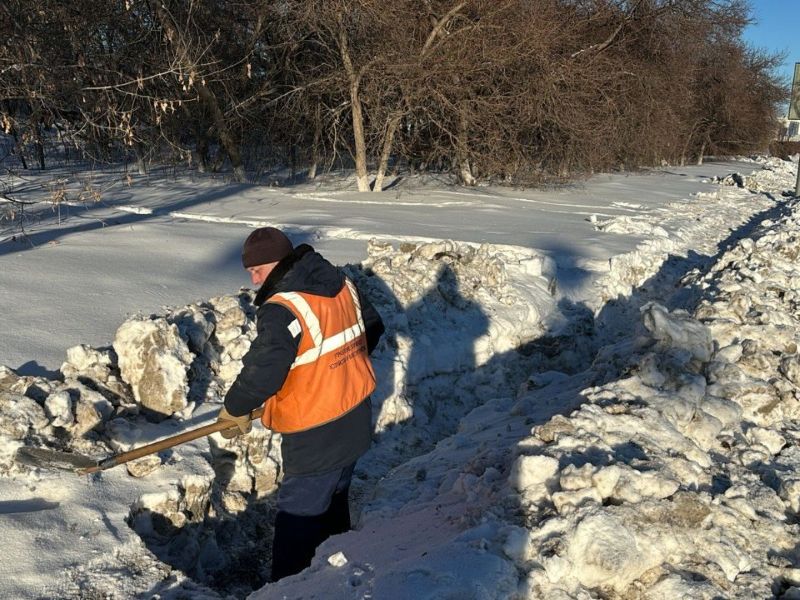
(588, 392)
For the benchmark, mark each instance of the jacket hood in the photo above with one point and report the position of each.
(304, 270)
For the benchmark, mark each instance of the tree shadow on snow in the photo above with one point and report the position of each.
(89, 222)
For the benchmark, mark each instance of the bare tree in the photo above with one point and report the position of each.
(509, 90)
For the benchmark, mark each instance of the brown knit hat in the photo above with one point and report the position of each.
(265, 245)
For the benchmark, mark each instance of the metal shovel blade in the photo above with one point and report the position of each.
(53, 459)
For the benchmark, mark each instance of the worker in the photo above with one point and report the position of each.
(309, 365)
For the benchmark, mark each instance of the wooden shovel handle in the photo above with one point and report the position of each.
(169, 442)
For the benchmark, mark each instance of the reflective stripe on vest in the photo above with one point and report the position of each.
(332, 373)
(329, 344)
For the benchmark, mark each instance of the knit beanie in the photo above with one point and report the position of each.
(265, 245)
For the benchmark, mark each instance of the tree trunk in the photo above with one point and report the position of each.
(702, 152)
(388, 140)
(462, 156)
(362, 179)
(224, 132)
(689, 138)
(201, 150)
(312, 170)
(19, 148)
(37, 134)
(141, 163)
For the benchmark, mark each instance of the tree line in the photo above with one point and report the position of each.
(504, 90)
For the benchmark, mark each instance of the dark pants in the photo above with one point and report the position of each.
(311, 508)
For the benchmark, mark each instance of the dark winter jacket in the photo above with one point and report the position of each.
(267, 363)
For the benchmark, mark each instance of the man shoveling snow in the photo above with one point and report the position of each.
(310, 361)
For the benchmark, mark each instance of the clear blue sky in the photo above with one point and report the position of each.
(777, 28)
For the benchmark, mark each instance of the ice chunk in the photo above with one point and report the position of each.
(153, 360)
(337, 560)
(59, 408)
(678, 330)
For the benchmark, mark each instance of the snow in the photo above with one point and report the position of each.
(583, 392)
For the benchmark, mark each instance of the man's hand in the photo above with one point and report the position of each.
(239, 425)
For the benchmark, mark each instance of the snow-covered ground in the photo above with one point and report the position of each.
(584, 392)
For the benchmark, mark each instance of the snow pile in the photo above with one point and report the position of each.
(775, 174)
(193, 512)
(481, 299)
(700, 220)
(680, 479)
(697, 227)
(448, 308)
(630, 225)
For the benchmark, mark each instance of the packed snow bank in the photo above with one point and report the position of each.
(678, 480)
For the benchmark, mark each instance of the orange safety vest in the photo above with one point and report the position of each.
(332, 373)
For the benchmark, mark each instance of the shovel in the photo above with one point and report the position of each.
(83, 465)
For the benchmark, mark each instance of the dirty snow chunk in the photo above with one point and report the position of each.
(153, 360)
(790, 368)
(229, 370)
(188, 503)
(767, 438)
(231, 319)
(8, 377)
(606, 479)
(337, 560)
(703, 430)
(568, 501)
(726, 411)
(91, 408)
(142, 467)
(790, 493)
(574, 478)
(195, 326)
(731, 353)
(87, 394)
(19, 415)
(550, 431)
(533, 475)
(678, 330)
(83, 360)
(59, 408)
(196, 491)
(251, 462)
(633, 485)
(238, 347)
(87, 417)
(604, 552)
